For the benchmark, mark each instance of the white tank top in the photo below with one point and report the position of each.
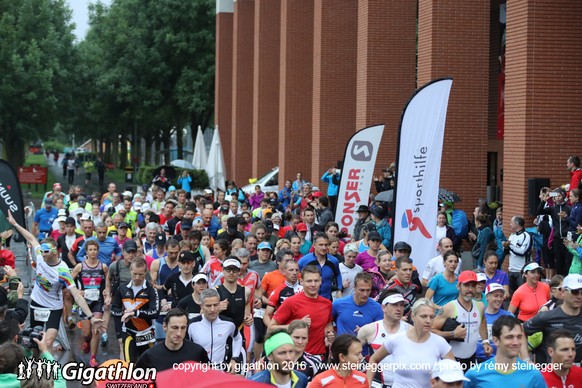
(472, 321)
(378, 340)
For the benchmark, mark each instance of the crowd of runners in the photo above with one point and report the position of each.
(266, 285)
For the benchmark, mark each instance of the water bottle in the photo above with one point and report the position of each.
(569, 236)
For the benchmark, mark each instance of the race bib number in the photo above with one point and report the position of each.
(41, 315)
(376, 384)
(145, 337)
(193, 315)
(92, 294)
(259, 313)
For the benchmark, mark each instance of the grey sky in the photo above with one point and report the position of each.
(81, 15)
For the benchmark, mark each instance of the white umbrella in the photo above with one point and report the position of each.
(199, 159)
(181, 163)
(215, 168)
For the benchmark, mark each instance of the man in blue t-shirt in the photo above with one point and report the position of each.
(107, 246)
(331, 277)
(43, 219)
(505, 369)
(352, 312)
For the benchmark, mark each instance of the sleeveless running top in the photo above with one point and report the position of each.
(472, 321)
(236, 304)
(165, 271)
(92, 278)
(379, 339)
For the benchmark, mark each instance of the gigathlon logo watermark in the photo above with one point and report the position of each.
(34, 368)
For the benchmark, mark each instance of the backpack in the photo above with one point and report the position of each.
(460, 223)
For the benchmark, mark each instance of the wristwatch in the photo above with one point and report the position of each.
(486, 342)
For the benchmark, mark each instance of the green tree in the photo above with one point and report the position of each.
(148, 69)
(36, 56)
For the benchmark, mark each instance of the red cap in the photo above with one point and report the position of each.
(467, 276)
(301, 227)
(317, 194)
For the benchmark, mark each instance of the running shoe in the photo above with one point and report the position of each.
(104, 339)
(93, 361)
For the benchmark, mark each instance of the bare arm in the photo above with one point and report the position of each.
(25, 233)
(429, 295)
(439, 322)
(378, 356)
(366, 332)
(274, 325)
(154, 274)
(268, 315)
(248, 317)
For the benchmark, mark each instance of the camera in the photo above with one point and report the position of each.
(13, 286)
(26, 337)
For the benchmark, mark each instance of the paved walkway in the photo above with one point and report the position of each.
(25, 270)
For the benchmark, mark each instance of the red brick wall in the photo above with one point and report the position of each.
(266, 86)
(334, 83)
(242, 90)
(223, 85)
(543, 99)
(295, 89)
(386, 72)
(453, 40)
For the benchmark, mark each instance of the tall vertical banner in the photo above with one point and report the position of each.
(11, 196)
(357, 175)
(418, 163)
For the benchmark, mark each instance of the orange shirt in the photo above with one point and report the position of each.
(271, 281)
(529, 301)
(333, 380)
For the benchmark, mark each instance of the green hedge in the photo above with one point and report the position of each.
(145, 174)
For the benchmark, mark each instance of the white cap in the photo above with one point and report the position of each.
(449, 371)
(197, 220)
(61, 219)
(78, 211)
(393, 299)
(481, 277)
(532, 266)
(231, 263)
(199, 277)
(572, 282)
(137, 206)
(145, 207)
(127, 194)
(493, 287)
(62, 213)
(277, 215)
(85, 216)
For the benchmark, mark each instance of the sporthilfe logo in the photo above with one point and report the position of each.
(414, 223)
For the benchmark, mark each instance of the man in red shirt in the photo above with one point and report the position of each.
(562, 351)
(311, 308)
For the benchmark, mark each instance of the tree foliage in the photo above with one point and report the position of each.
(36, 57)
(149, 66)
(145, 68)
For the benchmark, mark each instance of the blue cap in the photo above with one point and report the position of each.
(172, 188)
(264, 245)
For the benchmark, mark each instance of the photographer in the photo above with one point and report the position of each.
(52, 275)
(13, 364)
(20, 310)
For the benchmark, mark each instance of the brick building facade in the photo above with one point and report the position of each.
(295, 78)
